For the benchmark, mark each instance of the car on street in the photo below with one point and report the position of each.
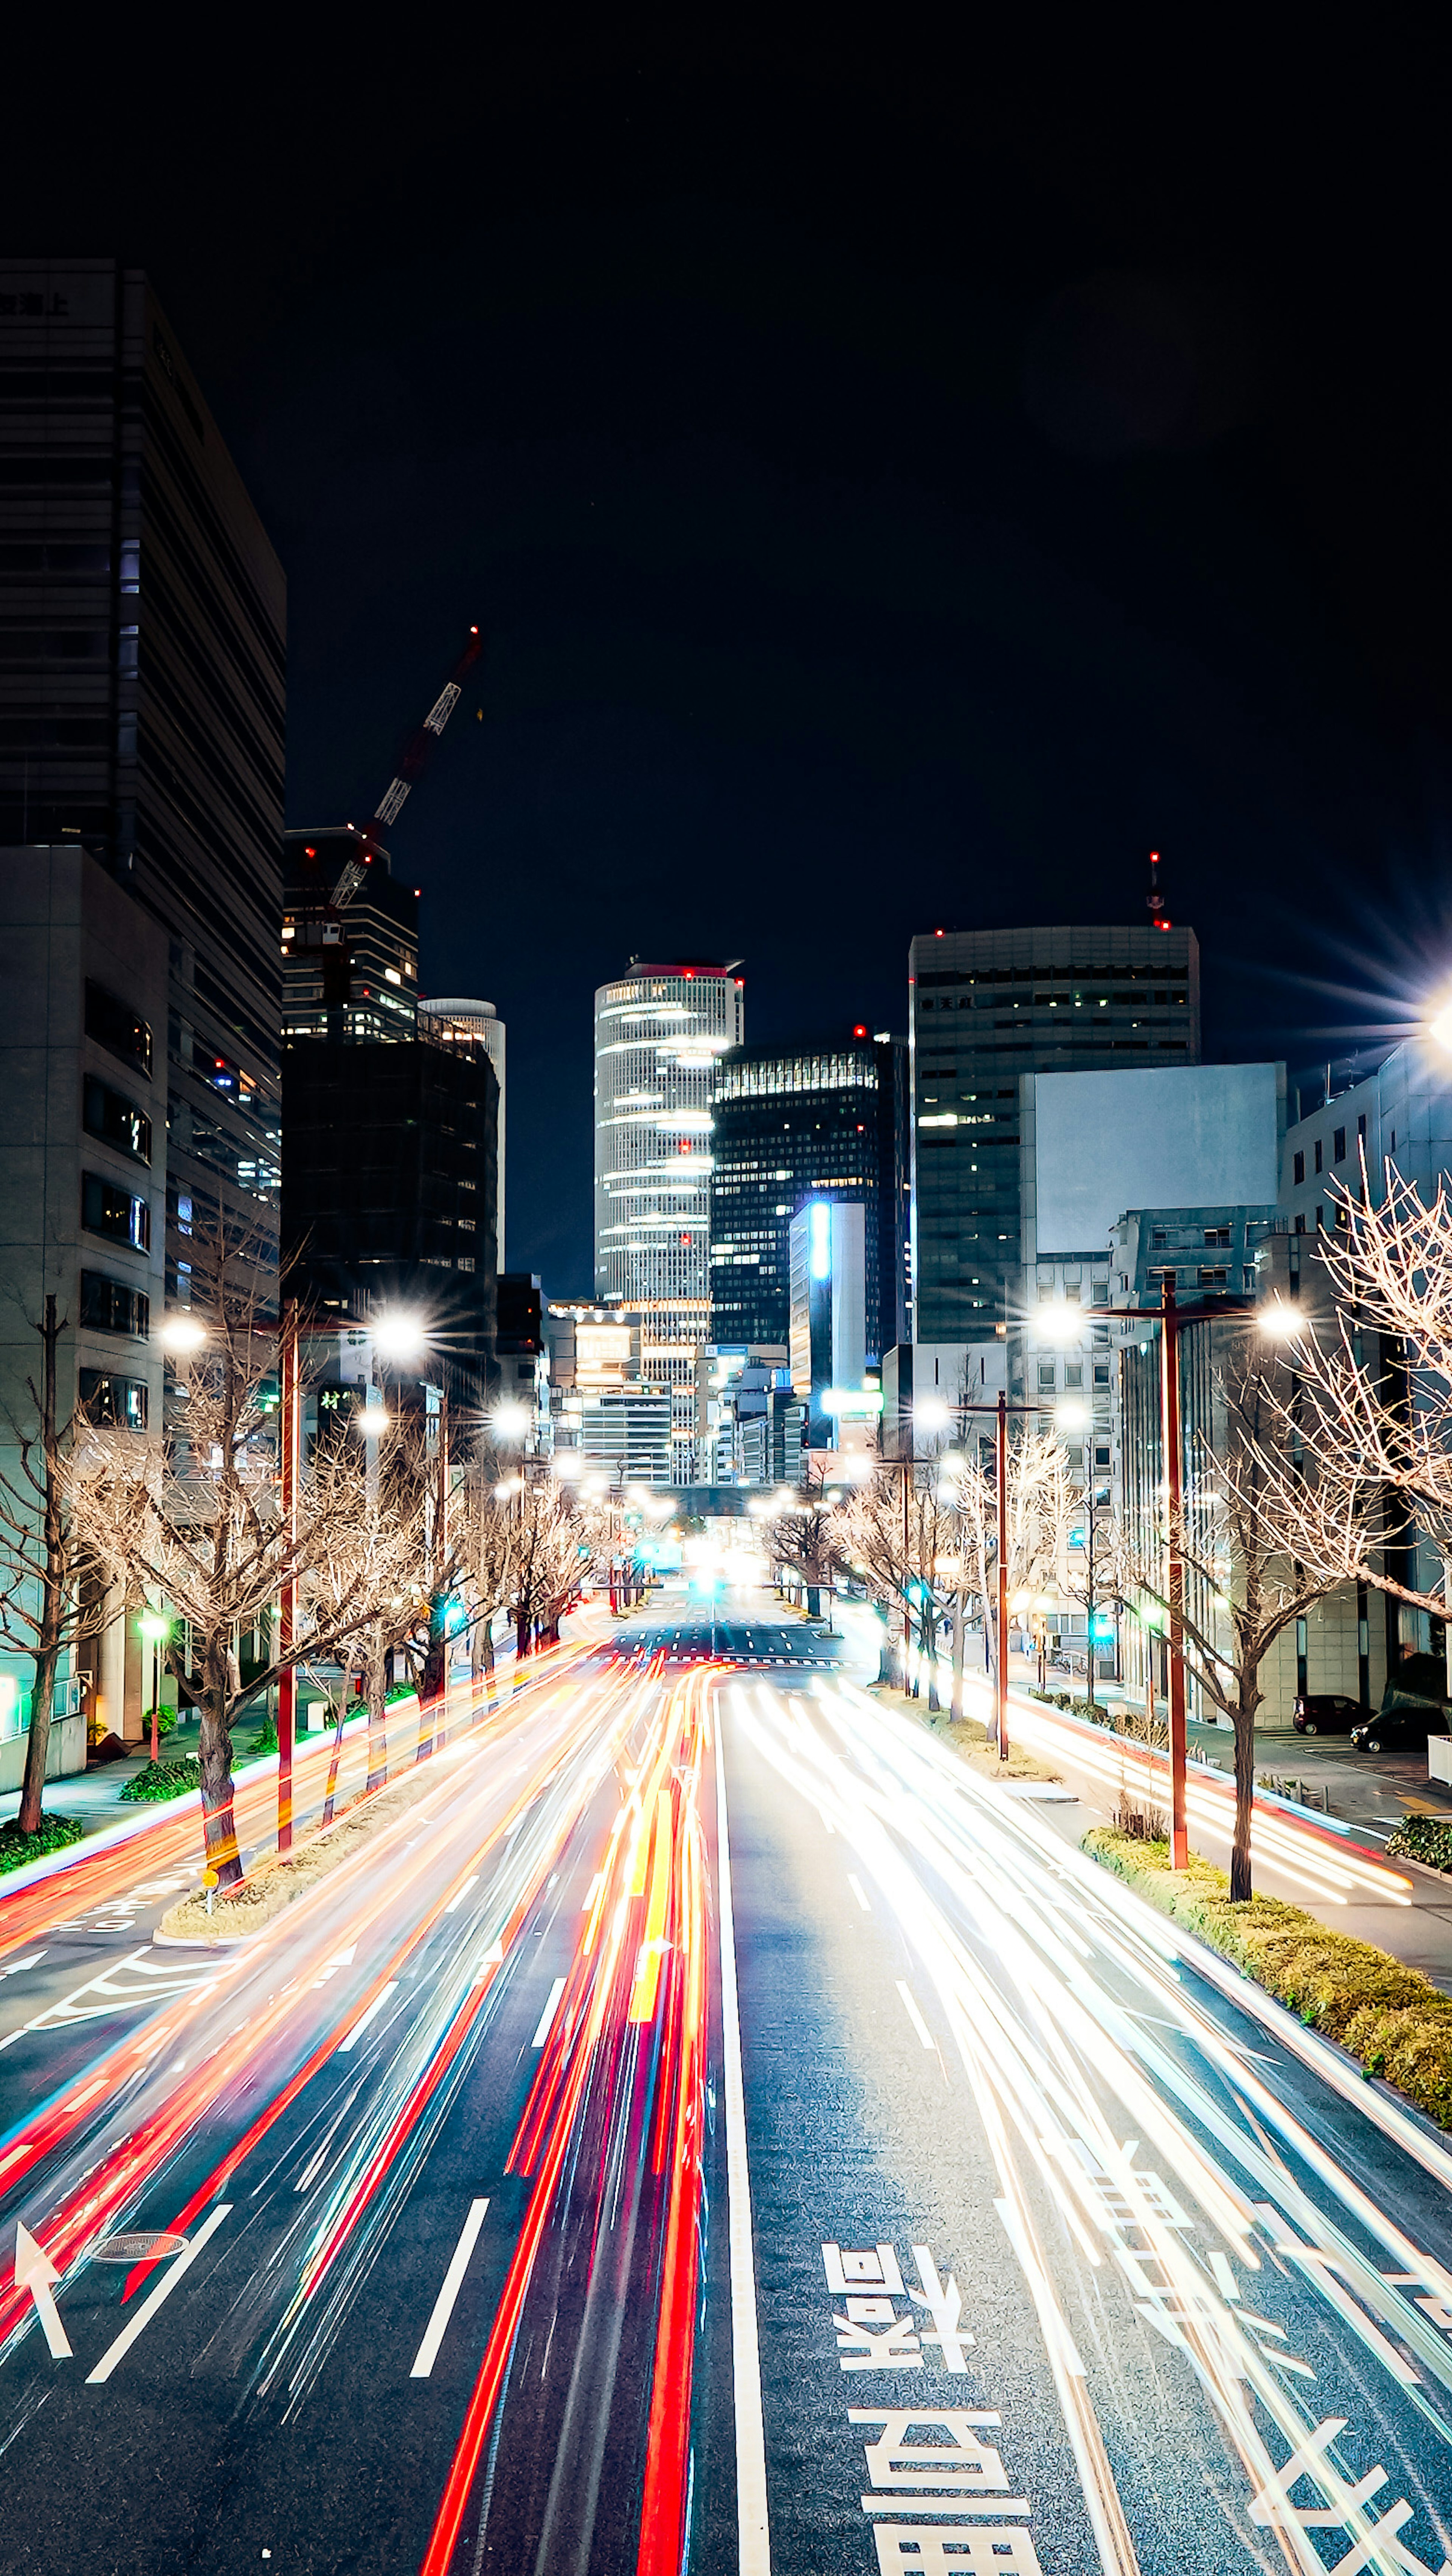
(1402, 1727)
(1328, 1713)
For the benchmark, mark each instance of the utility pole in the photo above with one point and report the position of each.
(1000, 1692)
(1170, 1410)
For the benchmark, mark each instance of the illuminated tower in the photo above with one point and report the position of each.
(660, 1033)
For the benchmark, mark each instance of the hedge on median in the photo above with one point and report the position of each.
(1391, 2018)
(1424, 1838)
(55, 1832)
(163, 1780)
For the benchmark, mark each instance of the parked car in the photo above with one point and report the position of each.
(1401, 1724)
(1328, 1713)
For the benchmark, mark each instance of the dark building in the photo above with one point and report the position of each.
(142, 677)
(389, 1186)
(349, 938)
(827, 1121)
(988, 1005)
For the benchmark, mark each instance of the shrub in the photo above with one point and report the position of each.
(55, 1832)
(1424, 1838)
(163, 1780)
(266, 1741)
(1391, 2018)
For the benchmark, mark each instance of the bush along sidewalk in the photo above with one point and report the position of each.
(1424, 1838)
(1392, 2019)
(55, 1832)
(163, 1780)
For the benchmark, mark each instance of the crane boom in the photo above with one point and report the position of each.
(411, 766)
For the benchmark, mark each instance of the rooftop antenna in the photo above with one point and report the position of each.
(1154, 902)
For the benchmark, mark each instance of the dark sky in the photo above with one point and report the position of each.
(899, 487)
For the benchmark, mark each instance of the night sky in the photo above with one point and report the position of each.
(898, 488)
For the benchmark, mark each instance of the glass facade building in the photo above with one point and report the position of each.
(829, 1121)
(987, 1006)
(660, 1035)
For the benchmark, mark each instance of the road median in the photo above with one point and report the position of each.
(1390, 2018)
(966, 1737)
(278, 1879)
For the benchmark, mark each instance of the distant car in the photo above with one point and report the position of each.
(1328, 1713)
(1407, 1722)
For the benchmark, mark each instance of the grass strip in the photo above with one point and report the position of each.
(967, 1738)
(1390, 2018)
(278, 1879)
(54, 1834)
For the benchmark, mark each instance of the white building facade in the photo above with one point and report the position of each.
(660, 1034)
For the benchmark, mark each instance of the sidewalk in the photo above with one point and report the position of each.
(94, 1796)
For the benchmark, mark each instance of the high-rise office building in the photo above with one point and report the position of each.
(457, 1022)
(142, 631)
(987, 1006)
(349, 938)
(789, 1124)
(660, 1034)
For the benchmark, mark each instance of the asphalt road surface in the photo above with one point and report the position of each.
(544, 2194)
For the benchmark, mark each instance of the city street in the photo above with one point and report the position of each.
(712, 2127)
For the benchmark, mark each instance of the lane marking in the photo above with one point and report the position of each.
(915, 2017)
(858, 1891)
(361, 2024)
(456, 1901)
(427, 2353)
(547, 2016)
(752, 2528)
(163, 2290)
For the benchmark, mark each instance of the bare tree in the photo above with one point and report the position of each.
(896, 1531)
(195, 1518)
(552, 1542)
(805, 1539)
(1040, 1501)
(49, 1598)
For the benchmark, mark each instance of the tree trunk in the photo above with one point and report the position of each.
(521, 1635)
(42, 1700)
(814, 1601)
(930, 1652)
(215, 1750)
(334, 1758)
(376, 1688)
(1245, 1708)
(960, 1642)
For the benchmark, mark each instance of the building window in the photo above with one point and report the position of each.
(1361, 1128)
(117, 1401)
(1047, 1379)
(1300, 1167)
(1101, 1372)
(1301, 1222)
(109, 1306)
(107, 1208)
(115, 1026)
(117, 1120)
(1338, 1146)
(1318, 1153)
(1073, 1373)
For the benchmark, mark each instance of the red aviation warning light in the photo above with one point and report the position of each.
(1154, 902)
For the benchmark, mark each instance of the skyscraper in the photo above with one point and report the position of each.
(660, 1034)
(1021, 1001)
(828, 1121)
(143, 616)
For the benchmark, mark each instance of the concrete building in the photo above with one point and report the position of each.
(142, 692)
(349, 939)
(810, 1122)
(987, 1007)
(957, 1375)
(83, 1174)
(742, 1392)
(458, 1022)
(660, 1034)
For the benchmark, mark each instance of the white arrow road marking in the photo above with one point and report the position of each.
(14, 1966)
(137, 1979)
(34, 2271)
(427, 2352)
(340, 1959)
(547, 2016)
(163, 2290)
(361, 2024)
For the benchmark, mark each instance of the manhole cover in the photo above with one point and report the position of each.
(137, 2249)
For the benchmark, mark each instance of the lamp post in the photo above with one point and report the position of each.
(289, 1388)
(155, 1627)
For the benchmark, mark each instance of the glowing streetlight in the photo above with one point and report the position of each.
(1440, 1029)
(1072, 1416)
(930, 1413)
(182, 1333)
(1058, 1322)
(511, 1419)
(155, 1627)
(398, 1335)
(374, 1418)
(1281, 1321)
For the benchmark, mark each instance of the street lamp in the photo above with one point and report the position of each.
(182, 1333)
(373, 1419)
(511, 1419)
(1440, 1029)
(398, 1334)
(155, 1627)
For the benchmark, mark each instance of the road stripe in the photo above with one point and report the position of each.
(915, 2017)
(427, 2352)
(456, 1901)
(855, 1883)
(364, 2018)
(163, 2290)
(547, 2016)
(752, 2528)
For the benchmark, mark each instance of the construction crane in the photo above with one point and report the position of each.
(412, 763)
